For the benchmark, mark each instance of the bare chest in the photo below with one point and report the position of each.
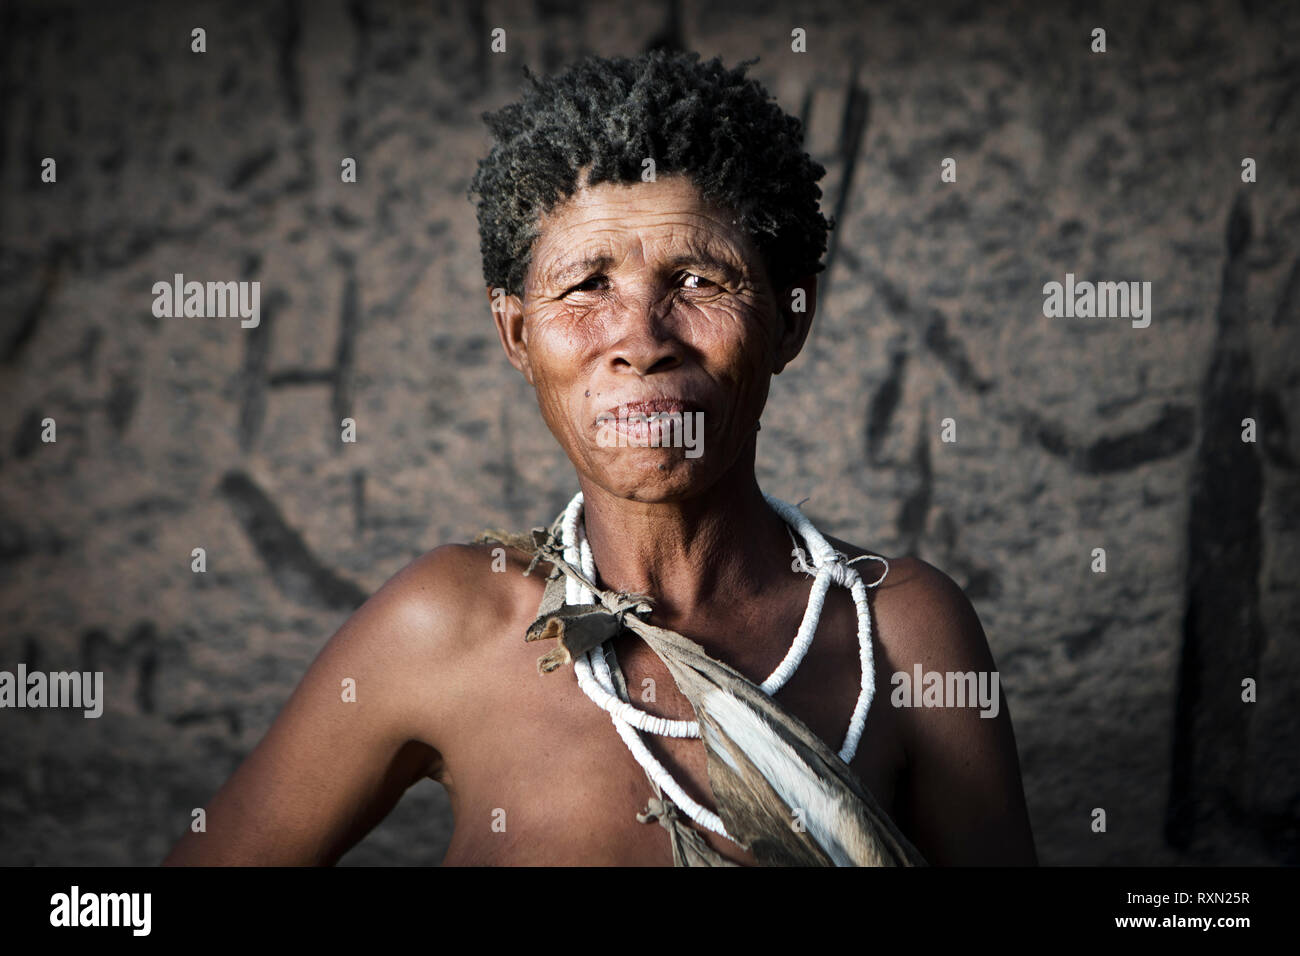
(537, 773)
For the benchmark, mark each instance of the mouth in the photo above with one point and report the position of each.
(653, 422)
(647, 410)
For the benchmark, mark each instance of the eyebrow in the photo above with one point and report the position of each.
(566, 271)
(696, 254)
(702, 255)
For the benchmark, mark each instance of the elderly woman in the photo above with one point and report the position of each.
(718, 682)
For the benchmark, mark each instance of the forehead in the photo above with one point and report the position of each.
(666, 219)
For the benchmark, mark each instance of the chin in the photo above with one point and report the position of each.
(654, 475)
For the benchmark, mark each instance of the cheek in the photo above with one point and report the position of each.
(735, 340)
(561, 334)
(563, 348)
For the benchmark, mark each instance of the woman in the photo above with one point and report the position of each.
(651, 238)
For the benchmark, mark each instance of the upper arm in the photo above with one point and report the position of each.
(962, 797)
(347, 743)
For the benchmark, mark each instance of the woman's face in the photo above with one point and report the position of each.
(646, 293)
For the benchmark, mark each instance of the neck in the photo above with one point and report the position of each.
(719, 547)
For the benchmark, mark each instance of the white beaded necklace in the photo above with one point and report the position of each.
(597, 681)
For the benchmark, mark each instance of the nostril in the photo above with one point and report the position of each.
(646, 353)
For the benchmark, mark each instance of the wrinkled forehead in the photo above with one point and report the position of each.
(660, 225)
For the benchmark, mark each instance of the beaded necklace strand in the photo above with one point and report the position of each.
(597, 681)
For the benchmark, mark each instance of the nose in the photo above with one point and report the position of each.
(647, 344)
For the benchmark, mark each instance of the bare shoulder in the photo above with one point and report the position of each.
(930, 617)
(922, 614)
(423, 630)
(368, 719)
(456, 584)
(962, 799)
(448, 600)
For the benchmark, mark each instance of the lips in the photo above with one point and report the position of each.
(636, 410)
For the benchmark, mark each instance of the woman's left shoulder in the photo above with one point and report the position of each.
(919, 609)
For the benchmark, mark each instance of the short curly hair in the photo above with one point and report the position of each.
(722, 129)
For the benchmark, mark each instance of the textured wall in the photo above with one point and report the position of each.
(177, 433)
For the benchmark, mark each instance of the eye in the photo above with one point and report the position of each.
(690, 280)
(596, 283)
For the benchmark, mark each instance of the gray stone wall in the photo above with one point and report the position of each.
(1072, 434)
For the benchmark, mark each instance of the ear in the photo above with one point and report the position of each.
(796, 303)
(508, 313)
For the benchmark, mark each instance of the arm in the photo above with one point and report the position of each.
(962, 797)
(328, 770)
